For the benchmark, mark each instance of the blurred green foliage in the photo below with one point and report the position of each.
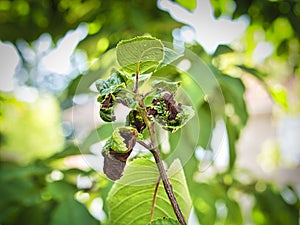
(36, 185)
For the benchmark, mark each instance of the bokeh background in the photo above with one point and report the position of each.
(51, 52)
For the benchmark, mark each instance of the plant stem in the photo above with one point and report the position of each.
(136, 85)
(154, 199)
(168, 186)
(162, 171)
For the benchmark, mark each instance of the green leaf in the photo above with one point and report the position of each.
(130, 199)
(72, 212)
(164, 221)
(170, 55)
(166, 85)
(140, 54)
(188, 4)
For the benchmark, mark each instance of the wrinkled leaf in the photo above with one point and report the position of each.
(108, 90)
(112, 85)
(134, 119)
(165, 221)
(140, 54)
(122, 140)
(167, 113)
(114, 164)
(116, 151)
(130, 199)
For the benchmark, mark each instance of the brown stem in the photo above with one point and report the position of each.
(163, 174)
(154, 199)
(136, 85)
(168, 186)
(153, 148)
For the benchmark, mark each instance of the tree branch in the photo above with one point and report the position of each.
(153, 148)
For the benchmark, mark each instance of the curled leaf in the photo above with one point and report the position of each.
(134, 119)
(167, 113)
(109, 89)
(112, 85)
(116, 151)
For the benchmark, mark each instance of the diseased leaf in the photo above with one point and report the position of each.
(116, 151)
(165, 221)
(130, 199)
(140, 54)
(122, 140)
(134, 119)
(167, 113)
(112, 85)
(114, 164)
(108, 90)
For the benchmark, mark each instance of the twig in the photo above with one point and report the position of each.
(168, 186)
(153, 148)
(154, 199)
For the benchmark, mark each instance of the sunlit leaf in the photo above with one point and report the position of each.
(130, 198)
(140, 54)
